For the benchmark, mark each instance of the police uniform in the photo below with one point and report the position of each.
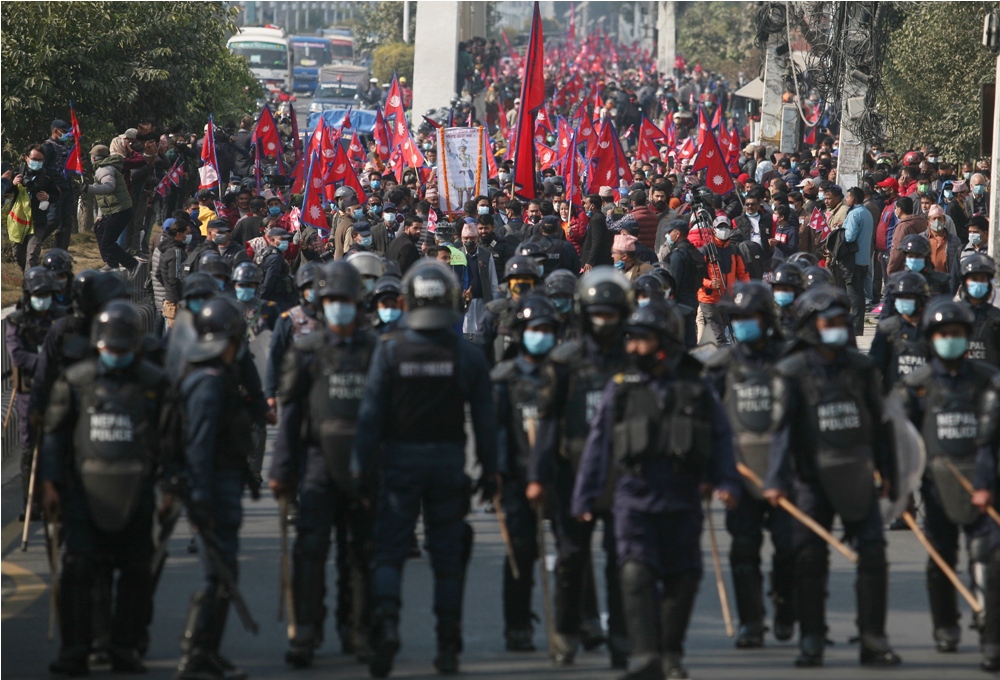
(657, 437)
(261, 316)
(988, 441)
(898, 350)
(100, 453)
(299, 320)
(420, 380)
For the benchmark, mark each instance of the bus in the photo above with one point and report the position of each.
(269, 53)
(341, 44)
(311, 54)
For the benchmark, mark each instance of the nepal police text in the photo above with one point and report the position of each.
(840, 415)
(110, 427)
(961, 425)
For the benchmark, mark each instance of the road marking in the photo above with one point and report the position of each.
(28, 586)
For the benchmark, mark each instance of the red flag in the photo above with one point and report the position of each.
(703, 128)
(312, 200)
(355, 151)
(341, 170)
(491, 159)
(819, 224)
(316, 140)
(565, 138)
(176, 174)
(717, 118)
(381, 136)
(717, 177)
(649, 134)
(411, 153)
(504, 130)
(209, 170)
(163, 188)
(433, 123)
(546, 156)
(532, 97)
(396, 163)
(265, 135)
(670, 130)
(585, 134)
(809, 139)
(74, 163)
(686, 149)
(544, 120)
(394, 110)
(296, 142)
(298, 176)
(611, 164)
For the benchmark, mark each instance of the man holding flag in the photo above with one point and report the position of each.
(59, 148)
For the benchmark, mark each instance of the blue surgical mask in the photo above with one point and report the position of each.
(219, 239)
(117, 361)
(975, 239)
(563, 304)
(915, 264)
(66, 137)
(366, 241)
(794, 165)
(834, 337)
(820, 195)
(41, 304)
(483, 210)
(905, 307)
(975, 289)
(359, 213)
(274, 210)
(642, 302)
(245, 293)
(309, 295)
(966, 176)
(376, 184)
(979, 189)
(36, 165)
(747, 330)
(389, 218)
(388, 314)
(194, 213)
(949, 194)
(221, 284)
(670, 240)
(187, 238)
(590, 213)
(784, 298)
(537, 343)
(950, 348)
(620, 265)
(282, 246)
(195, 305)
(375, 209)
(339, 313)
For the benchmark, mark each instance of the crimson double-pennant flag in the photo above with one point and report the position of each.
(265, 135)
(341, 171)
(649, 135)
(296, 142)
(809, 138)
(381, 136)
(611, 164)
(74, 163)
(710, 159)
(312, 198)
(394, 111)
(532, 98)
(355, 151)
(546, 156)
(208, 173)
(176, 173)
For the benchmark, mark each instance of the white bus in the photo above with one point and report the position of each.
(268, 50)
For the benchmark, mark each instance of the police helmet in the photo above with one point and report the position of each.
(393, 269)
(560, 282)
(218, 323)
(660, 317)
(649, 285)
(534, 250)
(803, 260)
(343, 192)
(339, 279)
(788, 274)
(821, 299)
(909, 283)
(367, 264)
(431, 292)
(535, 309)
(246, 273)
(307, 274)
(199, 284)
(977, 263)
(666, 276)
(917, 245)
(272, 171)
(522, 266)
(39, 280)
(818, 275)
(604, 288)
(117, 327)
(58, 261)
(387, 286)
(944, 311)
(93, 289)
(747, 298)
(214, 264)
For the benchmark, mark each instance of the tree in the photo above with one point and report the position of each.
(932, 77)
(719, 35)
(118, 62)
(382, 22)
(393, 58)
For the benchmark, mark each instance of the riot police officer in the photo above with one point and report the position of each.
(299, 320)
(385, 307)
(816, 275)
(371, 267)
(942, 399)
(217, 438)
(988, 441)
(60, 263)
(560, 288)
(278, 284)
(977, 272)
(648, 287)
(212, 264)
(917, 250)
(787, 283)
(826, 415)
(419, 383)
(516, 383)
(321, 388)
(521, 275)
(743, 377)
(26, 328)
(899, 347)
(658, 433)
(574, 378)
(99, 459)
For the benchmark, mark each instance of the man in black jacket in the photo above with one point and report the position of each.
(596, 248)
(687, 264)
(404, 248)
(243, 157)
(751, 232)
(169, 271)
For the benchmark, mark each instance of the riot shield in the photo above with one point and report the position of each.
(260, 350)
(180, 339)
(911, 457)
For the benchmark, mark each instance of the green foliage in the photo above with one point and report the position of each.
(382, 22)
(118, 62)
(719, 35)
(392, 58)
(932, 76)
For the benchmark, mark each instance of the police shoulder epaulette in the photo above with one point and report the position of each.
(285, 314)
(712, 359)
(567, 352)
(82, 371)
(919, 376)
(983, 370)
(791, 365)
(626, 377)
(496, 306)
(503, 371)
(889, 326)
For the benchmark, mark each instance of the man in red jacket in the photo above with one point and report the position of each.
(646, 217)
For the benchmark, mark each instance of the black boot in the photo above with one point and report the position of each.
(518, 631)
(520, 639)
(679, 593)
(811, 568)
(872, 598)
(384, 640)
(76, 586)
(650, 670)
(944, 610)
(748, 584)
(810, 651)
(641, 618)
(783, 595)
(449, 639)
(308, 589)
(592, 633)
(990, 638)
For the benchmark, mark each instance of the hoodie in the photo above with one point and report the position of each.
(109, 185)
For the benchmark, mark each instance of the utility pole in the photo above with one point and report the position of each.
(775, 62)
(666, 36)
(406, 21)
(991, 40)
(850, 160)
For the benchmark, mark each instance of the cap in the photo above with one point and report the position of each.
(749, 148)
(470, 229)
(219, 225)
(743, 178)
(362, 227)
(960, 186)
(806, 184)
(889, 183)
(100, 150)
(624, 243)
(935, 212)
(722, 221)
(59, 124)
(278, 232)
(131, 133)
(605, 192)
(167, 223)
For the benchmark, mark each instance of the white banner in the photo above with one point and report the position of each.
(462, 166)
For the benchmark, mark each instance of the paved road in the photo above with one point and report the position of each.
(710, 653)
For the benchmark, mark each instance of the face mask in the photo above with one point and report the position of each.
(187, 238)
(367, 285)
(376, 184)
(35, 165)
(219, 239)
(979, 189)
(620, 265)
(723, 234)
(537, 343)
(389, 218)
(359, 214)
(643, 302)
(937, 225)
(746, 330)
(752, 214)
(950, 348)
(602, 327)
(535, 219)
(795, 166)
(66, 137)
(504, 177)
(195, 305)
(40, 304)
(975, 289)
(563, 304)
(388, 314)
(274, 210)
(905, 307)
(932, 159)
(834, 337)
(949, 194)
(245, 293)
(590, 213)
(820, 196)
(784, 298)
(194, 214)
(222, 284)
(426, 146)
(966, 176)
(282, 246)
(923, 188)
(975, 239)
(483, 210)
(339, 313)
(366, 241)
(915, 264)
(375, 209)
(116, 361)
